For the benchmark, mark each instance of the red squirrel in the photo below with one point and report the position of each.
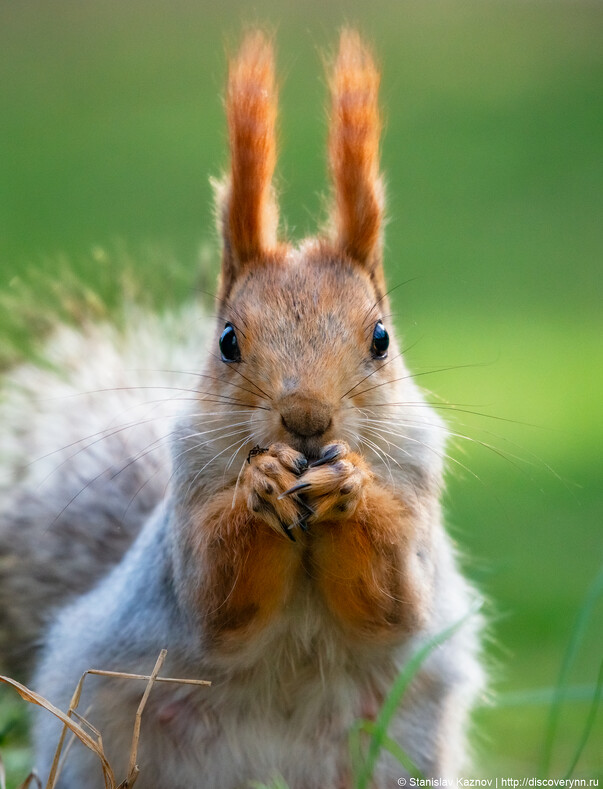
(298, 557)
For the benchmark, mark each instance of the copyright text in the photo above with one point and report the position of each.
(499, 783)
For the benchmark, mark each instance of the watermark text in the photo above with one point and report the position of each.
(499, 783)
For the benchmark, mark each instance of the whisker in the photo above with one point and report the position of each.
(139, 491)
(209, 462)
(384, 456)
(533, 460)
(206, 399)
(391, 290)
(178, 461)
(108, 433)
(383, 436)
(393, 359)
(381, 455)
(103, 435)
(418, 375)
(455, 408)
(389, 361)
(138, 456)
(234, 454)
(218, 414)
(198, 434)
(508, 456)
(234, 369)
(150, 448)
(198, 446)
(236, 487)
(226, 399)
(110, 389)
(211, 377)
(226, 304)
(442, 455)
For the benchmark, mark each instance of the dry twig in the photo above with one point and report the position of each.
(79, 727)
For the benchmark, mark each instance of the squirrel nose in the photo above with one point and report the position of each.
(304, 415)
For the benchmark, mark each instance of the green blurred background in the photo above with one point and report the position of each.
(110, 123)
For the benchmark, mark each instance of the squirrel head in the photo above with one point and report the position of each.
(303, 347)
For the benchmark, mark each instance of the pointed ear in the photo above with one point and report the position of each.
(355, 127)
(247, 211)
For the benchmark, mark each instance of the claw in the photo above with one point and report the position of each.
(286, 530)
(295, 488)
(302, 465)
(330, 455)
(301, 523)
(310, 512)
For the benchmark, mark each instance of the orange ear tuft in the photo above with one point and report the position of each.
(354, 150)
(248, 211)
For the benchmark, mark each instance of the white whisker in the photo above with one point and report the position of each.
(382, 456)
(215, 457)
(442, 455)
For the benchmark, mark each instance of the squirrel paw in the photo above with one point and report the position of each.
(333, 485)
(265, 475)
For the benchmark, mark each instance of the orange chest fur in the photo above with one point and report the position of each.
(356, 567)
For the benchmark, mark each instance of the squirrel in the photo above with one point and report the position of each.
(289, 547)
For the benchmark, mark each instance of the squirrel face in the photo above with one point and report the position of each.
(304, 322)
(302, 353)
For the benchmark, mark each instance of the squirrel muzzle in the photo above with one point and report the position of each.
(305, 415)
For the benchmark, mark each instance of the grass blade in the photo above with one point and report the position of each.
(590, 722)
(576, 638)
(392, 747)
(396, 694)
(535, 697)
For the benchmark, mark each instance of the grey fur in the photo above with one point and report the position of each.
(284, 702)
(284, 713)
(72, 500)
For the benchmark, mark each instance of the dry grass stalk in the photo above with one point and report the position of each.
(69, 746)
(32, 777)
(57, 763)
(72, 739)
(83, 720)
(69, 723)
(121, 675)
(78, 727)
(133, 768)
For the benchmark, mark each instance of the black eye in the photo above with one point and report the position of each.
(229, 347)
(380, 341)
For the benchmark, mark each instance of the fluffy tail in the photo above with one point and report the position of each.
(84, 462)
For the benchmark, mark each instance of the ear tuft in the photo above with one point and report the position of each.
(247, 209)
(355, 128)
